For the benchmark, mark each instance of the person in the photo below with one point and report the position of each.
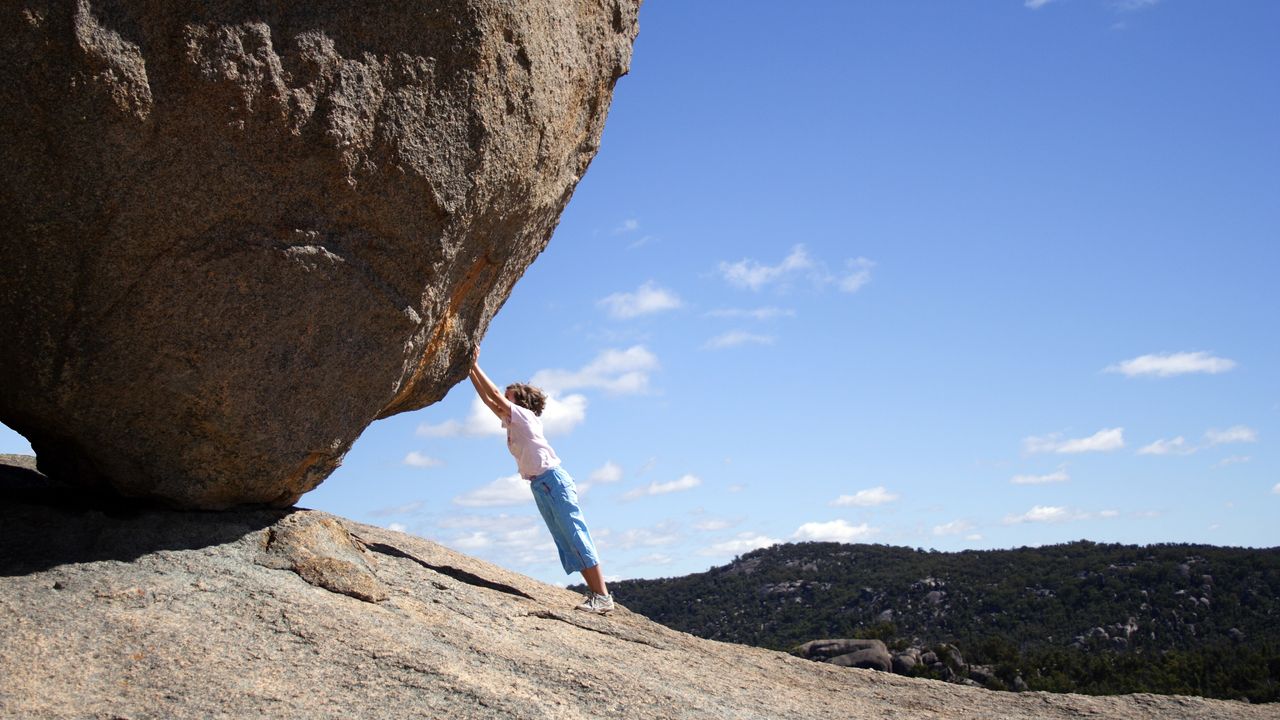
(520, 408)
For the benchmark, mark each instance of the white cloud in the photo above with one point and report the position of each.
(712, 525)
(664, 533)
(743, 543)
(509, 490)
(974, 537)
(480, 421)
(866, 498)
(1054, 477)
(505, 539)
(750, 274)
(734, 338)
(1102, 441)
(736, 488)
(614, 371)
(1045, 513)
(610, 472)
(1171, 364)
(1176, 446)
(418, 460)
(834, 531)
(1036, 4)
(762, 313)
(687, 482)
(559, 417)
(626, 226)
(1237, 434)
(859, 274)
(397, 527)
(562, 415)
(1276, 490)
(646, 300)
(478, 540)
(1108, 514)
(955, 527)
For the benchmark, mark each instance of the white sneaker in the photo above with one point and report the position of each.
(598, 604)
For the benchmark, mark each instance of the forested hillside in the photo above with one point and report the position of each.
(1080, 617)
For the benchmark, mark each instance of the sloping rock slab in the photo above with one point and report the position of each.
(170, 615)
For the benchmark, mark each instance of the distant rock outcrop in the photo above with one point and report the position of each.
(234, 233)
(300, 614)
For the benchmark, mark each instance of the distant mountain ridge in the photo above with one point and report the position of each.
(1079, 617)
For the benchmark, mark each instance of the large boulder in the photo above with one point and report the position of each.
(826, 649)
(874, 658)
(235, 232)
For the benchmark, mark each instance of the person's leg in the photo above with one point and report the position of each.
(595, 580)
(566, 521)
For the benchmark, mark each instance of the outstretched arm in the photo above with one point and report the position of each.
(488, 392)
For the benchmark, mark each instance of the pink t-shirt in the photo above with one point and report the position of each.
(527, 444)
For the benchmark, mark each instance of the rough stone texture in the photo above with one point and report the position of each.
(120, 613)
(235, 232)
(323, 553)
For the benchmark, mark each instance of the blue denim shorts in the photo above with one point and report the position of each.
(557, 500)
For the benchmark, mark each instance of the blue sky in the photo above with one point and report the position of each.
(942, 275)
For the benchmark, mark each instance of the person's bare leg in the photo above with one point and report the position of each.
(595, 580)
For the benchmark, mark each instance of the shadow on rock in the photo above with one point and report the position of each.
(44, 524)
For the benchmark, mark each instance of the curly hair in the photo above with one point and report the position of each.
(528, 397)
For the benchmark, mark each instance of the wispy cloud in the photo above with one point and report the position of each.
(1237, 434)
(509, 490)
(834, 531)
(748, 273)
(626, 226)
(397, 527)
(418, 460)
(955, 527)
(743, 543)
(1176, 446)
(1046, 514)
(762, 313)
(1276, 490)
(1104, 440)
(866, 498)
(1233, 460)
(735, 338)
(655, 559)
(754, 275)
(687, 482)
(1054, 477)
(1036, 4)
(646, 300)
(857, 274)
(1132, 5)
(1180, 446)
(1172, 364)
(620, 372)
(712, 525)
(404, 509)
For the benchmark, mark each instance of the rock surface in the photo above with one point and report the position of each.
(120, 613)
(234, 233)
